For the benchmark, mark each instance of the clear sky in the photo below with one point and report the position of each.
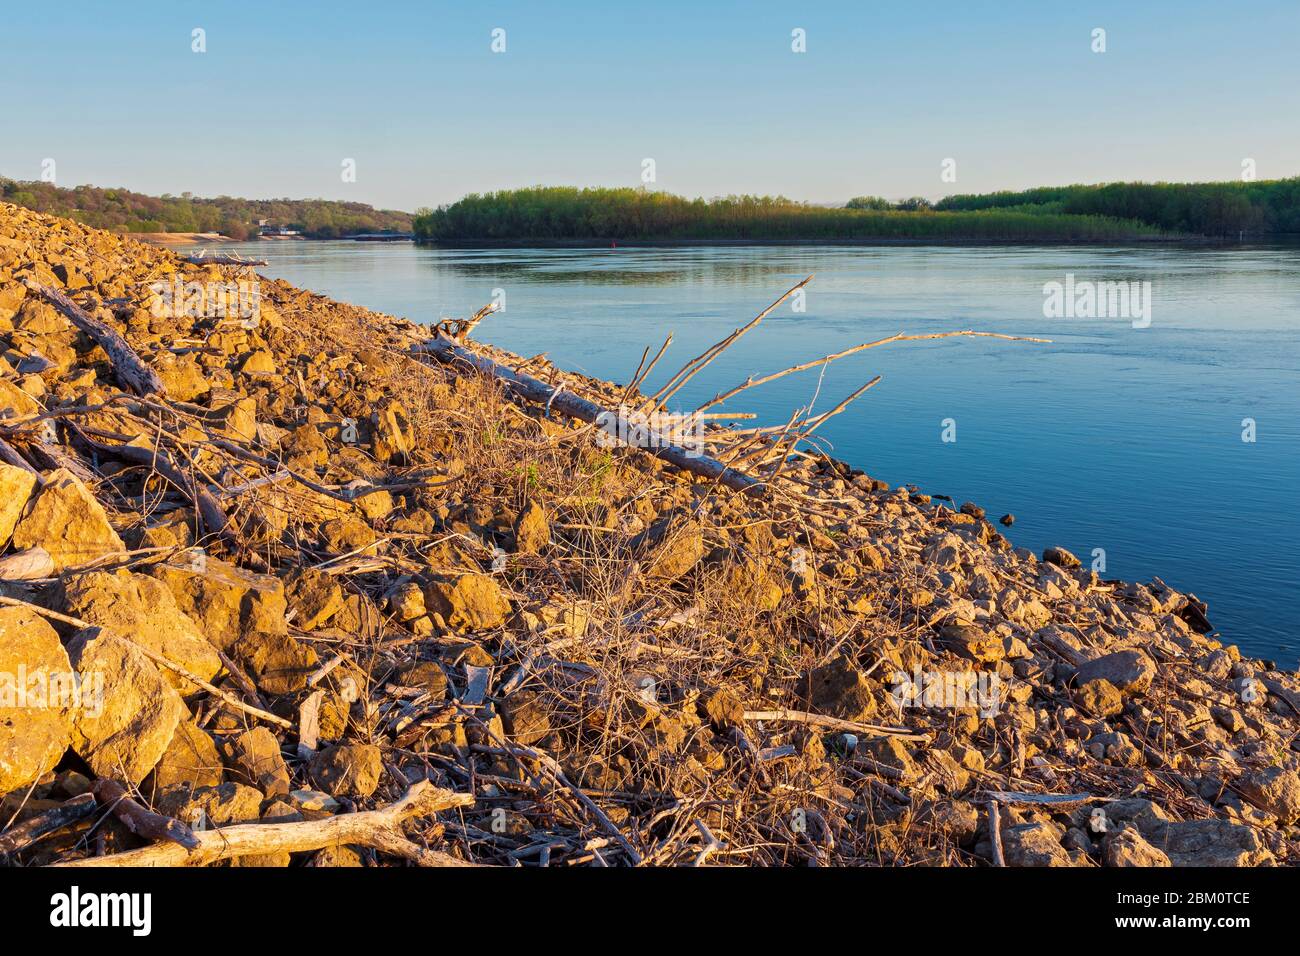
(711, 91)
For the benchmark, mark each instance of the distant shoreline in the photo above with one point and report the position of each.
(678, 243)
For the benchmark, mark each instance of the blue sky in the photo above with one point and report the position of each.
(712, 92)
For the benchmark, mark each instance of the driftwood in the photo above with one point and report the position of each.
(379, 829)
(26, 565)
(214, 516)
(23, 835)
(131, 370)
(142, 822)
(574, 406)
(995, 834)
(1057, 801)
(758, 448)
(222, 260)
(835, 723)
(9, 455)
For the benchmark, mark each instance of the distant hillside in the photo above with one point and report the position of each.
(124, 211)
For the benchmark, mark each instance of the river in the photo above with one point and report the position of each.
(1163, 445)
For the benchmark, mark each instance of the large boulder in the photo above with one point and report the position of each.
(142, 608)
(137, 711)
(1275, 790)
(227, 602)
(35, 718)
(16, 486)
(67, 521)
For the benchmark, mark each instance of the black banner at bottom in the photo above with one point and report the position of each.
(305, 905)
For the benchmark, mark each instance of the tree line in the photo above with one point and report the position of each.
(122, 210)
(557, 213)
(1263, 207)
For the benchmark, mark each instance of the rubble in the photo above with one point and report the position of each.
(317, 575)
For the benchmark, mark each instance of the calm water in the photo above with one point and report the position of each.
(1124, 439)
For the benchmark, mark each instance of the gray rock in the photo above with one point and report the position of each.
(1131, 672)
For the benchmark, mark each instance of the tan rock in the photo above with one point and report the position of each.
(532, 529)
(1127, 847)
(142, 608)
(839, 689)
(972, 642)
(472, 602)
(131, 727)
(1274, 789)
(226, 602)
(392, 432)
(182, 376)
(670, 547)
(350, 770)
(315, 597)
(205, 808)
(35, 698)
(67, 521)
(254, 756)
(14, 402)
(16, 487)
(191, 759)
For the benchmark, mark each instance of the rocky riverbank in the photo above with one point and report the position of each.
(261, 561)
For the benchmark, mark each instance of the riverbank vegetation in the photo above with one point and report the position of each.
(626, 214)
(121, 210)
(1264, 207)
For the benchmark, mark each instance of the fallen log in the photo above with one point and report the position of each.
(379, 829)
(23, 835)
(130, 369)
(574, 406)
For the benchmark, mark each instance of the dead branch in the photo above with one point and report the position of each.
(131, 370)
(380, 829)
(835, 723)
(574, 406)
(145, 823)
(23, 835)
